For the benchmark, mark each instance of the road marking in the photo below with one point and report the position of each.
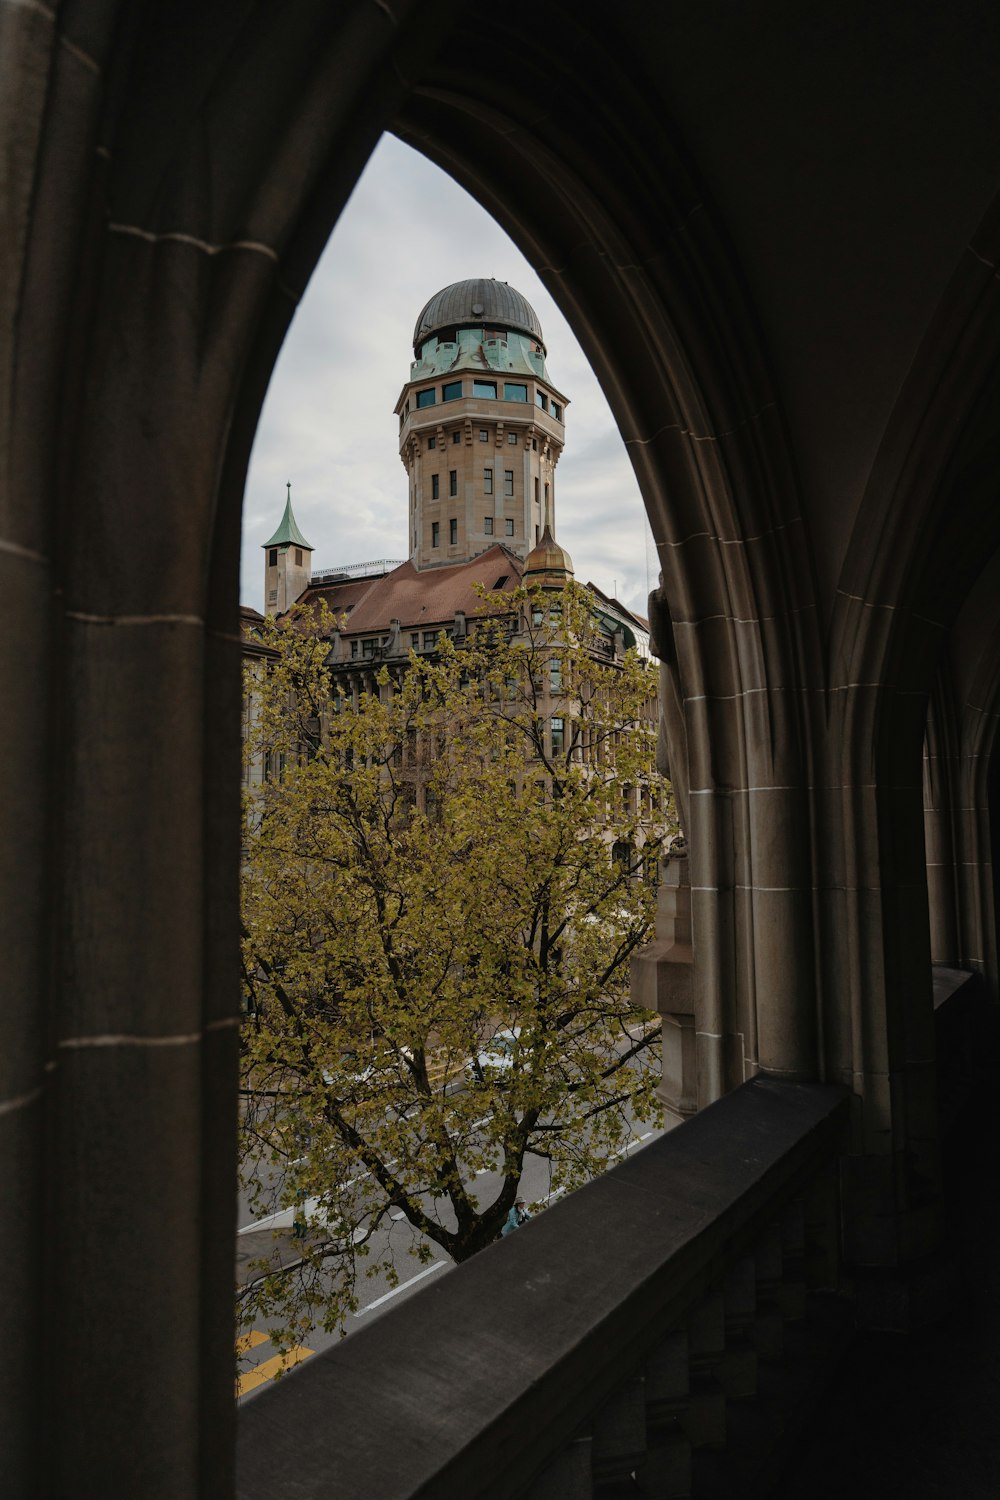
(437, 1265)
(635, 1141)
(270, 1368)
(248, 1341)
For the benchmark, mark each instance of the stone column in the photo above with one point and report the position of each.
(661, 981)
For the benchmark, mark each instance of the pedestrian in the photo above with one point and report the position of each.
(518, 1215)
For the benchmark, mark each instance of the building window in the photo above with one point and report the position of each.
(435, 533)
(484, 435)
(452, 391)
(425, 398)
(415, 638)
(509, 527)
(453, 481)
(508, 481)
(558, 736)
(534, 445)
(555, 675)
(488, 525)
(432, 442)
(537, 487)
(486, 388)
(453, 531)
(557, 411)
(487, 481)
(369, 647)
(430, 639)
(272, 558)
(546, 497)
(435, 486)
(456, 437)
(354, 648)
(515, 392)
(298, 557)
(512, 438)
(540, 400)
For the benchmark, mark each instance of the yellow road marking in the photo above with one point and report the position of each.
(250, 1340)
(270, 1368)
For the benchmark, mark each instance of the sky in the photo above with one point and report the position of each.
(328, 424)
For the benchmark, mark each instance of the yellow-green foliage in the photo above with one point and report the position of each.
(386, 945)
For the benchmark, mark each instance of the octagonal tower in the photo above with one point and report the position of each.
(481, 426)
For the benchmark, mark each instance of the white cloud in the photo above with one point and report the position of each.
(328, 424)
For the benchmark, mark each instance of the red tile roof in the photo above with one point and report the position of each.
(418, 599)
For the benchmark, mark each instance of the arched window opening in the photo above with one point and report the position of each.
(371, 580)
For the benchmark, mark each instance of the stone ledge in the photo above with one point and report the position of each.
(473, 1385)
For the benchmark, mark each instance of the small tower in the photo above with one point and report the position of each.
(287, 564)
(547, 565)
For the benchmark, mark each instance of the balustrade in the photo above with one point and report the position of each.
(642, 1338)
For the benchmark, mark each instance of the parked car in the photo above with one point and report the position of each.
(497, 1054)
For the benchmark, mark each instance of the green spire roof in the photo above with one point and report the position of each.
(288, 533)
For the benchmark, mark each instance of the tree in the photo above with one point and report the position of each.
(455, 864)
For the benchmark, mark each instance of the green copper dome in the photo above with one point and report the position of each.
(478, 302)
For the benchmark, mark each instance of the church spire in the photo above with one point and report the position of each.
(288, 533)
(287, 563)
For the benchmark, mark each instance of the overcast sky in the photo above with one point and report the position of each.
(328, 423)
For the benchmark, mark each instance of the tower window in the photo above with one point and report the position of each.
(485, 388)
(432, 442)
(435, 533)
(540, 400)
(557, 411)
(453, 481)
(512, 437)
(272, 558)
(425, 398)
(456, 437)
(488, 525)
(298, 557)
(515, 392)
(453, 531)
(509, 527)
(487, 481)
(508, 481)
(452, 391)
(435, 486)
(484, 435)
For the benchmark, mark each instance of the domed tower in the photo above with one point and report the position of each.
(481, 426)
